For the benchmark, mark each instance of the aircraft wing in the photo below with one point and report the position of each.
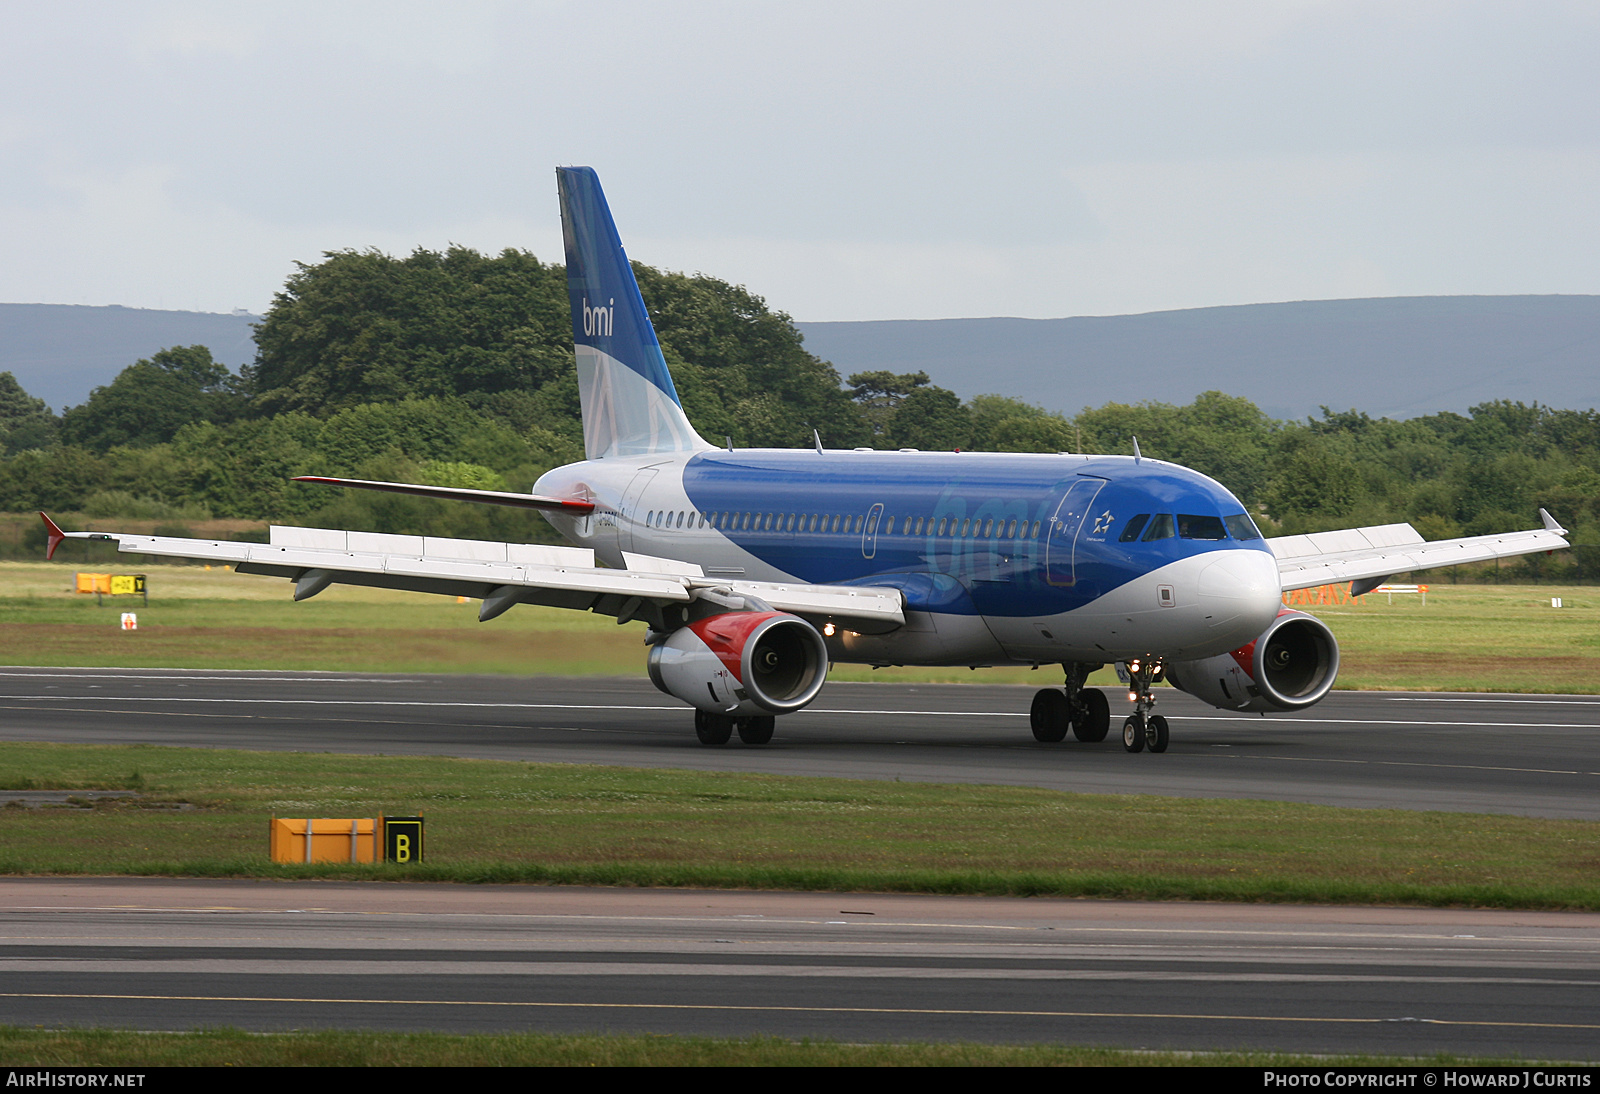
(505, 574)
(1366, 557)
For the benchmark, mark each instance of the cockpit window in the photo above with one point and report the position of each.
(1160, 528)
(1131, 531)
(1241, 526)
(1201, 526)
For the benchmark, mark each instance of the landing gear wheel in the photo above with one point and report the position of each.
(1049, 715)
(713, 730)
(1133, 731)
(1155, 733)
(756, 731)
(1094, 717)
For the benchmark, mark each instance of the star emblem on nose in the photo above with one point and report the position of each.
(1102, 523)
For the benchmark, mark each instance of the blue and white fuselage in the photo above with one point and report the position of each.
(1000, 558)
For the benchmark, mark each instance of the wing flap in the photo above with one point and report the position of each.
(867, 609)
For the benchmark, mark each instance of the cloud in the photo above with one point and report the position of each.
(1035, 159)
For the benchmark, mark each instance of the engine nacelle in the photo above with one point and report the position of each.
(742, 663)
(1289, 667)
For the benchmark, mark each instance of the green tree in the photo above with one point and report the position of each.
(152, 399)
(742, 369)
(361, 326)
(1002, 424)
(879, 394)
(25, 422)
(419, 430)
(931, 418)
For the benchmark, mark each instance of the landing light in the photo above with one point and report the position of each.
(827, 629)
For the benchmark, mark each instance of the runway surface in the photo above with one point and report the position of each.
(1537, 755)
(146, 954)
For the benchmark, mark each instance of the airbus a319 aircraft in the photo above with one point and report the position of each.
(755, 569)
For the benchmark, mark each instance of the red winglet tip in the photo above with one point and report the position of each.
(53, 535)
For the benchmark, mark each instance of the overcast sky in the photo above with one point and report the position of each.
(844, 160)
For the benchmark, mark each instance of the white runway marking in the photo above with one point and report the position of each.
(468, 705)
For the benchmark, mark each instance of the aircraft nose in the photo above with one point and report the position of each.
(1240, 591)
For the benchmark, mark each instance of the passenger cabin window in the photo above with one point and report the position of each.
(1200, 526)
(1131, 530)
(1160, 528)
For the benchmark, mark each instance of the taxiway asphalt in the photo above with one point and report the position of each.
(1536, 755)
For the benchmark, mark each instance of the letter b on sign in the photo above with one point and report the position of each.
(402, 839)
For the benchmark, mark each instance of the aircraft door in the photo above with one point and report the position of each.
(869, 534)
(1065, 525)
(632, 516)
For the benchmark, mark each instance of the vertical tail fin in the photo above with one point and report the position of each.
(630, 406)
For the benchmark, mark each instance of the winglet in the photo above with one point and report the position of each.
(1550, 523)
(54, 535)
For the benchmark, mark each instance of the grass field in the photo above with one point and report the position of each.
(236, 1048)
(1466, 638)
(574, 824)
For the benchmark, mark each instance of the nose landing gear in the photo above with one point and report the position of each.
(1143, 729)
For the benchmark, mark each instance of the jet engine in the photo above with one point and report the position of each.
(1291, 666)
(742, 664)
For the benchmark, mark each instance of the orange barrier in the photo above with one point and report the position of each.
(1321, 596)
(328, 840)
(103, 585)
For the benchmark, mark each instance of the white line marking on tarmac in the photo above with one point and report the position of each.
(463, 704)
(233, 676)
(1526, 702)
(335, 966)
(335, 702)
(780, 1008)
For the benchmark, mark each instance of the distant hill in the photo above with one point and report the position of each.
(1395, 357)
(1390, 357)
(61, 352)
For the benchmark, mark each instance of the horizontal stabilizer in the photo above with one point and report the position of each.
(575, 506)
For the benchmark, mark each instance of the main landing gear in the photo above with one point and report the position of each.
(1142, 729)
(715, 730)
(1083, 710)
